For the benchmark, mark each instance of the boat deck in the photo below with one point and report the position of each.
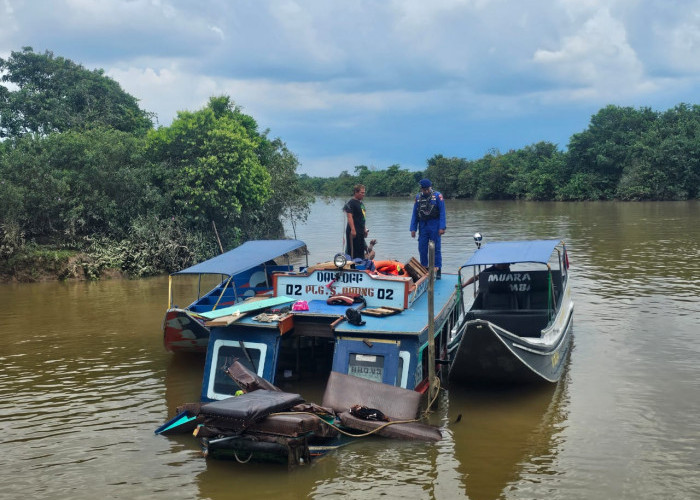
(411, 321)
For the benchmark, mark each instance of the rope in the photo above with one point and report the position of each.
(369, 433)
(430, 404)
(242, 461)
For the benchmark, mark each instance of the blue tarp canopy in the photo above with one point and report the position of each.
(511, 252)
(244, 257)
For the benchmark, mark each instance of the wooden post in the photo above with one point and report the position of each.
(221, 247)
(432, 387)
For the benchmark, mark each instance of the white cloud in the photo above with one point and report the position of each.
(596, 61)
(682, 42)
(165, 91)
(409, 72)
(218, 31)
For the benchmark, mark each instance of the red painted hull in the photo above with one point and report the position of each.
(182, 332)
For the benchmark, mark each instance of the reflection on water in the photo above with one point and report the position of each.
(84, 379)
(525, 421)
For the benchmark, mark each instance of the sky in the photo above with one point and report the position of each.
(381, 82)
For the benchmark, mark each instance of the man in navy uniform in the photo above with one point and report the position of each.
(429, 220)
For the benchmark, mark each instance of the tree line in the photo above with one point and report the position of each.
(625, 154)
(82, 169)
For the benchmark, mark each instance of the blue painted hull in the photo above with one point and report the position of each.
(391, 349)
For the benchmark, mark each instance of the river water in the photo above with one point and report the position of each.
(84, 380)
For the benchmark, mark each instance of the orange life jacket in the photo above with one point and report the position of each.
(390, 267)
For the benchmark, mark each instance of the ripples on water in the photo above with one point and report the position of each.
(81, 387)
(84, 379)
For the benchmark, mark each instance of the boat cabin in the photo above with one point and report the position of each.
(382, 337)
(239, 275)
(524, 299)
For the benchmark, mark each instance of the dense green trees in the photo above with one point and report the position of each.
(209, 167)
(77, 184)
(214, 166)
(82, 168)
(56, 95)
(624, 154)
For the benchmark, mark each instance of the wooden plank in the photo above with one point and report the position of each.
(225, 320)
(381, 311)
(414, 262)
(415, 269)
(247, 306)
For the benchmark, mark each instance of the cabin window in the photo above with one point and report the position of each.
(221, 386)
(370, 367)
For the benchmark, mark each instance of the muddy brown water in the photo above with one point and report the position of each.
(84, 380)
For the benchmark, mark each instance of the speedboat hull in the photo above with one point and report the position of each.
(487, 353)
(518, 326)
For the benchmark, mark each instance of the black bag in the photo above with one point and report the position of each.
(354, 317)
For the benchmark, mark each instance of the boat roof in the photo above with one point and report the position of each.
(511, 252)
(244, 257)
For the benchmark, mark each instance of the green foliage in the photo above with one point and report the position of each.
(152, 246)
(394, 181)
(625, 154)
(81, 168)
(78, 183)
(12, 240)
(56, 95)
(603, 149)
(444, 172)
(664, 164)
(210, 168)
(390, 182)
(289, 198)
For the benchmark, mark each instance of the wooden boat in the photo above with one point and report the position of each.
(307, 337)
(364, 332)
(516, 327)
(245, 282)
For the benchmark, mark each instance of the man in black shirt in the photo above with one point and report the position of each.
(355, 231)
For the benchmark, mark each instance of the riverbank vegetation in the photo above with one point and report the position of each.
(625, 154)
(87, 184)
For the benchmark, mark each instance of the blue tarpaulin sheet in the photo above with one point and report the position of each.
(511, 252)
(244, 257)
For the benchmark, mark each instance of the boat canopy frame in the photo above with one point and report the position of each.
(238, 260)
(519, 252)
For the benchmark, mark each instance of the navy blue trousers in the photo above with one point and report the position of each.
(429, 230)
